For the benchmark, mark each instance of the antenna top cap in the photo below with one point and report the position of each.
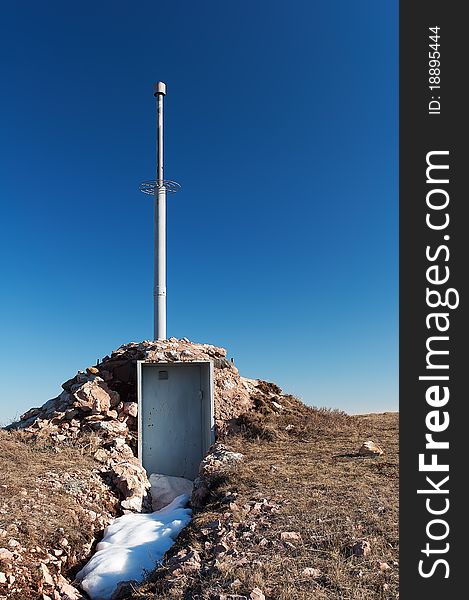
(159, 88)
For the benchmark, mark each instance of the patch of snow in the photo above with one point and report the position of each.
(165, 488)
(131, 546)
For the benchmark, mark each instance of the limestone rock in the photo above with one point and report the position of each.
(66, 590)
(219, 459)
(311, 572)
(32, 412)
(45, 575)
(257, 594)
(369, 448)
(186, 561)
(95, 396)
(131, 481)
(113, 428)
(67, 385)
(289, 536)
(5, 554)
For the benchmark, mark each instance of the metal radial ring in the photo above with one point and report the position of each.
(149, 187)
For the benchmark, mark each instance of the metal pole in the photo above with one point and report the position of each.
(159, 219)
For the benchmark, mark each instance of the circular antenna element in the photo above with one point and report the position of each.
(150, 187)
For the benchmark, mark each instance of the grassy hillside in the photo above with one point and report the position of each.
(53, 503)
(287, 523)
(291, 519)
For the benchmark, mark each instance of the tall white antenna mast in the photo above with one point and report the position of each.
(158, 188)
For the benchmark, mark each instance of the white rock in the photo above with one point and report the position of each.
(228, 384)
(290, 536)
(134, 503)
(45, 574)
(219, 459)
(311, 572)
(257, 594)
(369, 448)
(68, 592)
(5, 554)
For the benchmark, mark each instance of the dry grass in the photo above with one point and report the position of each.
(45, 496)
(323, 491)
(301, 461)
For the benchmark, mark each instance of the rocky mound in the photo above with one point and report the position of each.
(102, 400)
(80, 452)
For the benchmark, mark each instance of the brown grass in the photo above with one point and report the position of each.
(323, 491)
(41, 500)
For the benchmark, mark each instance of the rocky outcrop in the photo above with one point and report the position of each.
(102, 401)
(98, 410)
(218, 462)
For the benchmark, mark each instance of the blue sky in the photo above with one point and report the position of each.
(281, 126)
